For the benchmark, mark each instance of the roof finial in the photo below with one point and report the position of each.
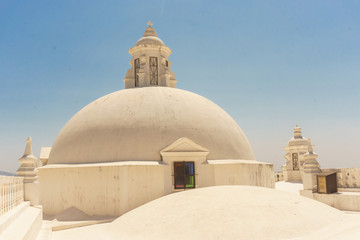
(150, 31)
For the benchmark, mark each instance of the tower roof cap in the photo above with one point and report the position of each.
(150, 37)
(150, 31)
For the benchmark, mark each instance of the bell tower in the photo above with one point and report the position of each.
(150, 65)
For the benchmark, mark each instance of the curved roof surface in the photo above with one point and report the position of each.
(298, 141)
(223, 212)
(137, 123)
(226, 212)
(150, 40)
(150, 37)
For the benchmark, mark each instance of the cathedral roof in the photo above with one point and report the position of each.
(225, 212)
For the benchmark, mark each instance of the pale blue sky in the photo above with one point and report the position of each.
(270, 64)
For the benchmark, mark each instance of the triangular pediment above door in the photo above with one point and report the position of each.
(184, 145)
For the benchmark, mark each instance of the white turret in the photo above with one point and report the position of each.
(29, 171)
(295, 150)
(310, 171)
(311, 165)
(150, 64)
(27, 162)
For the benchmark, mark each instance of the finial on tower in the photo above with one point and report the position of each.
(150, 31)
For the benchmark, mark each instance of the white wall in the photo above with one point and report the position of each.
(99, 189)
(113, 189)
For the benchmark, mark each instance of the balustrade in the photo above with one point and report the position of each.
(11, 192)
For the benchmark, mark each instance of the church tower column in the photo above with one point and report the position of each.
(295, 150)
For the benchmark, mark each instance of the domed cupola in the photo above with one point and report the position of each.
(150, 37)
(150, 64)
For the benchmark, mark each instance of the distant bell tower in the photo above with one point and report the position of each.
(150, 64)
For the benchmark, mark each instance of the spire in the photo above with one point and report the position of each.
(150, 31)
(27, 162)
(28, 149)
(297, 132)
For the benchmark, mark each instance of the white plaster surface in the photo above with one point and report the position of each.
(223, 212)
(291, 187)
(31, 193)
(44, 155)
(343, 200)
(9, 217)
(348, 229)
(99, 189)
(137, 123)
(26, 226)
(112, 189)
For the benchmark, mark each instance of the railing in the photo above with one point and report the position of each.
(11, 193)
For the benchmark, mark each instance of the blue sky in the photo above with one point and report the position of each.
(269, 64)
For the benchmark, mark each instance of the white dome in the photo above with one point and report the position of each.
(137, 123)
(150, 40)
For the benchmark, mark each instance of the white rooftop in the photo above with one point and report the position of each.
(226, 212)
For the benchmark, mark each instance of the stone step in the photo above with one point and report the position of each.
(9, 217)
(26, 226)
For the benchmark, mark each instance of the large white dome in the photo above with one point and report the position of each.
(137, 123)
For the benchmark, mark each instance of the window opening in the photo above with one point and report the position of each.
(184, 175)
(295, 161)
(137, 69)
(153, 71)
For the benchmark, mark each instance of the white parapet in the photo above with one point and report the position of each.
(11, 192)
